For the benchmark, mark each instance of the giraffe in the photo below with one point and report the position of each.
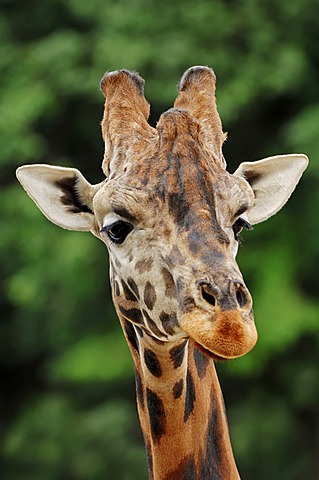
(171, 216)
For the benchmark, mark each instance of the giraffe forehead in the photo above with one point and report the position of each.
(179, 178)
(189, 182)
(189, 193)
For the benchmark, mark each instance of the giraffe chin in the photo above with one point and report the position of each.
(226, 335)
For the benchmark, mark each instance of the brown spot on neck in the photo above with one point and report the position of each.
(144, 265)
(169, 322)
(156, 415)
(170, 289)
(177, 354)
(149, 295)
(152, 363)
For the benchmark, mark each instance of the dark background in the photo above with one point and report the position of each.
(67, 391)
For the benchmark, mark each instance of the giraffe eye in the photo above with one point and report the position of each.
(118, 231)
(238, 227)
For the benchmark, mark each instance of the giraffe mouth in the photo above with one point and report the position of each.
(208, 353)
(223, 336)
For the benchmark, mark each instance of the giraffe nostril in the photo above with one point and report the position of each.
(208, 296)
(241, 296)
(236, 295)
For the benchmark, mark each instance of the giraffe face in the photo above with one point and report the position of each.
(171, 225)
(170, 213)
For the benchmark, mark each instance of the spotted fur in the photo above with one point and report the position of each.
(152, 363)
(156, 413)
(149, 295)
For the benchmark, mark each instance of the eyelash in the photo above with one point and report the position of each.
(239, 226)
(118, 231)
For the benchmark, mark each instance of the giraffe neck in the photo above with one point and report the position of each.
(181, 411)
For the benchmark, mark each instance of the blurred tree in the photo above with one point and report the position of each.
(63, 360)
(52, 439)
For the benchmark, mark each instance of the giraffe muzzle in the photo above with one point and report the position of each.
(221, 322)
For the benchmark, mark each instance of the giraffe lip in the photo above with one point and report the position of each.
(224, 337)
(235, 334)
(210, 354)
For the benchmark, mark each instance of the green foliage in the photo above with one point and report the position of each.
(62, 354)
(265, 422)
(94, 358)
(51, 440)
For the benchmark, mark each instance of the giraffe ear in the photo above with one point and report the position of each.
(273, 180)
(62, 194)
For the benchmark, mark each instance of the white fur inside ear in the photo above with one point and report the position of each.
(273, 180)
(59, 194)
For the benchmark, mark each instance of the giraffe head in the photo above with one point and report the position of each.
(169, 212)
